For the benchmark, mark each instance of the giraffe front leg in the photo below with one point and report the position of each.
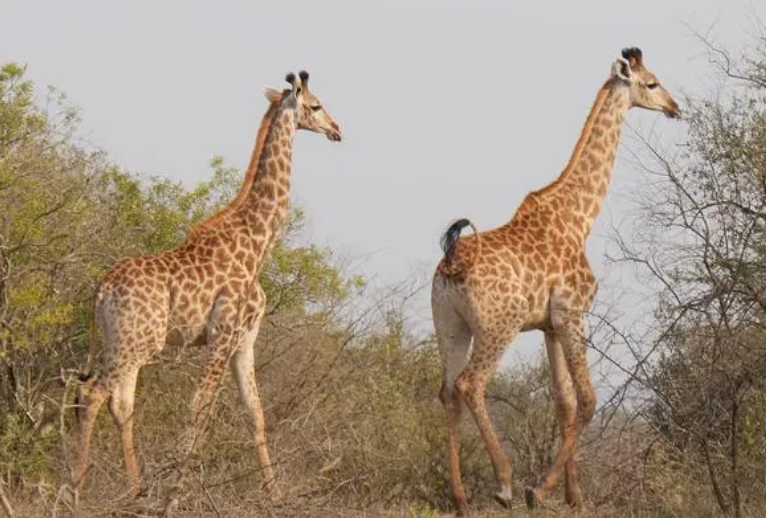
(565, 402)
(205, 395)
(243, 368)
(91, 403)
(570, 331)
(223, 335)
(586, 396)
(222, 339)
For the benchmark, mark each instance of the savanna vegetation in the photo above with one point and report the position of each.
(350, 391)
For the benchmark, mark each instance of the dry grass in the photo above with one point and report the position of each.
(360, 434)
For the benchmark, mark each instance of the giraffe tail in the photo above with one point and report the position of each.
(87, 372)
(448, 242)
(85, 376)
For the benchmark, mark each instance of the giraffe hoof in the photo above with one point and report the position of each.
(532, 499)
(272, 491)
(574, 500)
(503, 499)
(462, 510)
(274, 496)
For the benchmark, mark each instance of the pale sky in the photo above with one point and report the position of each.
(448, 108)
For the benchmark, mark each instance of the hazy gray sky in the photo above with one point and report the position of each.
(449, 108)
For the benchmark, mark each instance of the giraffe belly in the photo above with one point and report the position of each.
(181, 336)
(187, 327)
(187, 322)
(538, 319)
(539, 311)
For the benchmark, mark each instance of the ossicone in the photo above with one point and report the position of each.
(632, 54)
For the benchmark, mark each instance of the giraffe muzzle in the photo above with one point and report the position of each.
(672, 114)
(673, 111)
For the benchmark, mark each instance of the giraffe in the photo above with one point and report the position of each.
(532, 274)
(205, 293)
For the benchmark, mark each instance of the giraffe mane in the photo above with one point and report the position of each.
(252, 169)
(598, 104)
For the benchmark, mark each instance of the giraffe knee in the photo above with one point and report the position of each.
(566, 409)
(121, 404)
(81, 398)
(467, 386)
(89, 401)
(119, 409)
(449, 397)
(445, 395)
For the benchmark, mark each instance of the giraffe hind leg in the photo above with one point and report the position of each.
(90, 405)
(454, 339)
(489, 348)
(119, 386)
(121, 406)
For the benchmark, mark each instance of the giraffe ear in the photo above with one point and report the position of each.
(621, 69)
(271, 93)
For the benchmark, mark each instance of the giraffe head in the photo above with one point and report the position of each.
(310, 114)
(645, 89)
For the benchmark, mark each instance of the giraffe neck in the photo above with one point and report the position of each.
(242, 195)
(263, 210)
(587, 176)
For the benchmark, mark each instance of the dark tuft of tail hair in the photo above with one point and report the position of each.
(450, 238)
(86, 376)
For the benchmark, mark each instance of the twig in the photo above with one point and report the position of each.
(59, 498)
(211, 500)
(7, 507)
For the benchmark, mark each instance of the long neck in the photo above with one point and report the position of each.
(244, 191)
(264, 208)
(586, 178)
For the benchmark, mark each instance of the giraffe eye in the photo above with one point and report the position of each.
(652, 86)
(316, 108)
